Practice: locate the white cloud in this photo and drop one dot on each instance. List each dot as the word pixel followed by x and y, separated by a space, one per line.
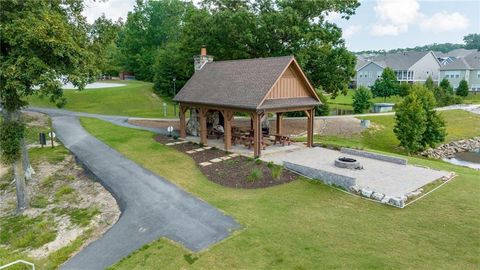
pixel 113 9
pixel 388 29
pixel 332 16
pixel 351 30
pixel 395 16
pixel 444 22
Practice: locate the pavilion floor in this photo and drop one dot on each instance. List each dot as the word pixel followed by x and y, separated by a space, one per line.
pixel 245 151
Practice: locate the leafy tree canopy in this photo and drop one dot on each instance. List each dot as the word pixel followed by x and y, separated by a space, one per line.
pixel 387 85
pixel 462 89
pixel 361 100
pixel 472 41
pixel 236 30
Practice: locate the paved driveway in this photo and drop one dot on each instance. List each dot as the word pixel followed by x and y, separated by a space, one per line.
pixel 151 206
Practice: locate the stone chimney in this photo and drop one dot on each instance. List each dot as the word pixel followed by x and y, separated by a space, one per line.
pixel 202 59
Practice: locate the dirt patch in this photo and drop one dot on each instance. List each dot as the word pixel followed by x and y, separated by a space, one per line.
pixel 61 191
pixel 235 172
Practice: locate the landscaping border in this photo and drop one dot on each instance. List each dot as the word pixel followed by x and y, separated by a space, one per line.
pixel 396 160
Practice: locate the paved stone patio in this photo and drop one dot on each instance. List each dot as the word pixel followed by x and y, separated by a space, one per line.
pixel 391 179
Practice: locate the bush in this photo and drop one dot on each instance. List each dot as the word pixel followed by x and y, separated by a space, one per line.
pixel 276 171
pixel 404 89
pixel 417 124
pixel 255 175
pixel 462 89
pixel 361 100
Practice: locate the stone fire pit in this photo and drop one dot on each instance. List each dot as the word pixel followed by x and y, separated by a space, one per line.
pixel 348 163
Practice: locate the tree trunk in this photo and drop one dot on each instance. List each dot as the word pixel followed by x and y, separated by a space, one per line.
pixel 19 175
pixel 27 168
pixel 19 167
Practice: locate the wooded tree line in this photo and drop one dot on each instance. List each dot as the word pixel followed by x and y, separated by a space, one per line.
pixel 472 41
pixel 159 38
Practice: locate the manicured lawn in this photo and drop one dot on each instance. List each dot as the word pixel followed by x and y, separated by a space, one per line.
pixel 307 225
pixel 472 99
pixel 348 99
pixel 136 99
pixel 460 125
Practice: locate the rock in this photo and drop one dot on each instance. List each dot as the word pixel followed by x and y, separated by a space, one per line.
pixel 449 149
pixel 366 193
pixel 397 201
pixel 377 196
pixel 386 199
pixel 355 189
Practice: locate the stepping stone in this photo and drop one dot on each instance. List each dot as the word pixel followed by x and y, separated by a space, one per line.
pixel 170 144
pixel 234 155
pixel 225 158
pixel 199 149
pixel 215 160
pixel 182 142
pixel 206 163
pixel 190 151
pixel 207 147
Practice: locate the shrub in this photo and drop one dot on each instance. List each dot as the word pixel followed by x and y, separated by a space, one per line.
pixel 276 171
pixel 417 124
pixel 361 100
pixel 462 89
pixel 386 85
pixel 23 231
pixel 255 175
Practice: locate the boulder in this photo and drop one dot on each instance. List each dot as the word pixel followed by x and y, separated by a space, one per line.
pixel 378 196
pixel 366 193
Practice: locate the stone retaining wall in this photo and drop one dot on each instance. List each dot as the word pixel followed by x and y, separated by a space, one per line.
pixel 381 157
pixel 328 178
pixel 448 150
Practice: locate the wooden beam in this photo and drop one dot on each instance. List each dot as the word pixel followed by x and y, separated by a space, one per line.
pixel 257 135
pixel 183 124
pixel 227 136
pixel 310 126
pixel 279 123
pixel 203 125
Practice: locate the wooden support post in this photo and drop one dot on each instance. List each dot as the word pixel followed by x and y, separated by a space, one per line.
pixel 310 122
pixel 279 122
pixel 203 126
pixel 183 124
pixel 257 135
pixel 227 136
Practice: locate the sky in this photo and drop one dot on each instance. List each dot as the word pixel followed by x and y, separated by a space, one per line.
pixel 377 24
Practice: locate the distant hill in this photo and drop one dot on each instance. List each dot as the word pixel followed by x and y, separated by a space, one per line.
pixel 441 47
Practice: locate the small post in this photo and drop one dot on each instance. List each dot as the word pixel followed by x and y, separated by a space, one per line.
pixel 42 139
pixel 51 137
pixel 175 109
pixel 164 109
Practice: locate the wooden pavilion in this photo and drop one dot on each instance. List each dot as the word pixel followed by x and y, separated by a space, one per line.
pixel 254 86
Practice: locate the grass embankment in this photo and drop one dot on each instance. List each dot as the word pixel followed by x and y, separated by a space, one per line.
pixel 136 99
pixel 460 125
pixel 307 225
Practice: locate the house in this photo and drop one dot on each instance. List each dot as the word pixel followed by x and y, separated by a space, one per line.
pixel 446 58
pixel 408 66
pixel 467 67
pixel 254 87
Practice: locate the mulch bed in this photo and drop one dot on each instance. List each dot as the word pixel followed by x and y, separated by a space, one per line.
pixel 233 172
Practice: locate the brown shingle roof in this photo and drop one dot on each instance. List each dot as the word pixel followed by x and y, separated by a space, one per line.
pixel 288 103
pixel 235 83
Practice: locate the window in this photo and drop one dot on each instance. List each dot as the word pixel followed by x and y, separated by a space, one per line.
pixel 478 74
pixel 370 74
pixel 457 75
pixel 360 74
pixel 379 74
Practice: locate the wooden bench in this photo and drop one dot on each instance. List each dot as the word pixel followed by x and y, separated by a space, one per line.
pixel 282 139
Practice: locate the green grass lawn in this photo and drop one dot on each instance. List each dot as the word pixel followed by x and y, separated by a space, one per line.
pixel 136 99
pixel 348 99
pixel 460 125
pixel 472 99
pixel 308 225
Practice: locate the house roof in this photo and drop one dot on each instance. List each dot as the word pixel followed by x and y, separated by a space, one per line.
pixel 399 61
pixel 241 84
pixel 471 61
pixel 459 52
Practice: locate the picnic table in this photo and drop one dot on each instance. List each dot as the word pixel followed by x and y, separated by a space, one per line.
pixel 282 139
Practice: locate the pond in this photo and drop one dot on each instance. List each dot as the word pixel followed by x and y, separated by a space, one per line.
pixel 468 159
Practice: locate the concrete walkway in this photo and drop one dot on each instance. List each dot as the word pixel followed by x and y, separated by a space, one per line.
pixel 151 206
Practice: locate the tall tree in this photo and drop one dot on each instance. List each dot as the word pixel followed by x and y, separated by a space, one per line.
pixel 41 42
pixel 472 41
pixel 429 84
pixel 462 89
pixel 103 34
pixel 249 29
pixel 361 100
pixel 387 85
pixel 417 124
